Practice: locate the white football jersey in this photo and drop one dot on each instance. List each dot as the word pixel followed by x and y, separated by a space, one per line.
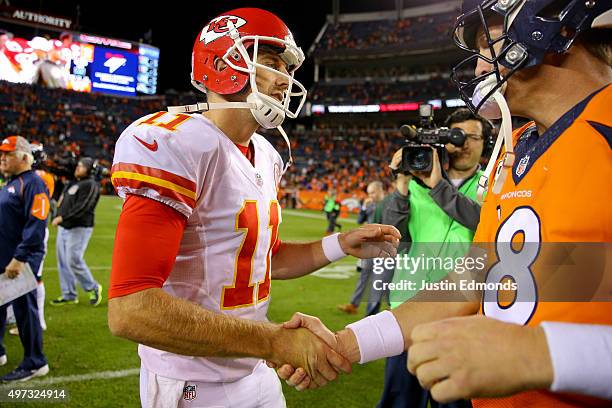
pixel 232 214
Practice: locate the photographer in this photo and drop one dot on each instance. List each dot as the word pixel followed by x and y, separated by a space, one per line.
pixel 455 191
pixel 75 225
pixel 440 210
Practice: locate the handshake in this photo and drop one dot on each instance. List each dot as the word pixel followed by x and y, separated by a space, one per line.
pixel 307 355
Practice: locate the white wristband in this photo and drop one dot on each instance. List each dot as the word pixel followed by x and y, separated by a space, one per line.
pixel 378 336
pixel 581 356
pixel 331 248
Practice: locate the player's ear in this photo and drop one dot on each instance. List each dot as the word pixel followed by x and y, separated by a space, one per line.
pixel 220 65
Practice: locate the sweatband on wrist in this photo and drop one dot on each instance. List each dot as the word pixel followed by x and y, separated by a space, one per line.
pixel 331 248
pixel 378 336
pixel 581 356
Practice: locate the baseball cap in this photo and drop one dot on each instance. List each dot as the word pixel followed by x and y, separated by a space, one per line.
pixel 15 143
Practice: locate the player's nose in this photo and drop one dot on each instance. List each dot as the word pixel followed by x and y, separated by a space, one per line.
pixel 482 67
pixel 282 82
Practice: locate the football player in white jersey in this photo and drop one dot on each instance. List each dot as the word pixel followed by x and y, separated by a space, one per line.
pixel 197 241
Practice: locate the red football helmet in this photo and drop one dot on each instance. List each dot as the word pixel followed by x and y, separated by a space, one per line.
pixel 228 37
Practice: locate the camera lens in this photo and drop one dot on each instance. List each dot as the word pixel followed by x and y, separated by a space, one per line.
pixel 420 158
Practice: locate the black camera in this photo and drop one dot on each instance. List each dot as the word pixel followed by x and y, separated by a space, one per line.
pixel 417 152
pixel 98 171
pixel 65 165
pixel 39 155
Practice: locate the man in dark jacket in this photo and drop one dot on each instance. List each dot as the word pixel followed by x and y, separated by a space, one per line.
pixel 24 207
pixel 75 223
pixel 376 194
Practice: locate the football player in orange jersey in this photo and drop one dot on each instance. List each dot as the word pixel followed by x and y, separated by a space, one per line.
pixel 550 61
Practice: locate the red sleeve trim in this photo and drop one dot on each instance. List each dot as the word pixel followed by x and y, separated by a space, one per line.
pixel 157 173
pixel 163 191
pixel 146 244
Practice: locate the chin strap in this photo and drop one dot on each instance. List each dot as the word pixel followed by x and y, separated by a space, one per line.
pixel 290 161
pixel 205 106
pixel 504 165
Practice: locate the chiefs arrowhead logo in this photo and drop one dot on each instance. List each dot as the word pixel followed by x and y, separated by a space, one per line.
pixel 218 27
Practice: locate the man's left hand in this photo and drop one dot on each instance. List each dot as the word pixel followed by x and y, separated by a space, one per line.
pixel 14 268
pixel 57 221
pixel 371 241
pixel 477 356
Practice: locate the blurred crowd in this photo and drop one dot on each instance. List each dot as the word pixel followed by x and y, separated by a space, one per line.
pixel 396 71
pixel 69 123
pixel 72 124
pixel 412 32
pixel 364 93
pixel 342 159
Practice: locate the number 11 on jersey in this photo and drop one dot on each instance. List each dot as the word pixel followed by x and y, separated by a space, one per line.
pixel 241 292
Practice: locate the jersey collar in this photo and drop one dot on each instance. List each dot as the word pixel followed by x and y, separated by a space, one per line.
pixel 531 147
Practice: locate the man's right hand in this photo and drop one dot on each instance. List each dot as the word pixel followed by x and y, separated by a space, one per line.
pixel 317 362
pixel 402 179
pixel 57 221
pixel 14 268
pixel 296 376
pixel 396 160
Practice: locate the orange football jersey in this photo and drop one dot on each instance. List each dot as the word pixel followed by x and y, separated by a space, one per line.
pixel 558 192
pixel 48 179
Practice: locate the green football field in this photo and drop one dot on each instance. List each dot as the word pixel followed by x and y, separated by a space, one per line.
pixel 99 370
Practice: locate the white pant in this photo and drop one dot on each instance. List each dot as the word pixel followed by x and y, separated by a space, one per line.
pixel 260 389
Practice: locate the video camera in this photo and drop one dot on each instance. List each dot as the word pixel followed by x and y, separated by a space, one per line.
pixel 417 151
pixel 98 171
pixel 65 165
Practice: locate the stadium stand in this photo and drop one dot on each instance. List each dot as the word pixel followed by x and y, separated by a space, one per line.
pixel 385 57
pixel 341 155
pixel 411 33
pixel 343 158
pixel 365 92
pixel 88 124
pixel 70 122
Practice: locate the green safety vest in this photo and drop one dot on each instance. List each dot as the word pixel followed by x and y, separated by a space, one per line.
pixel 330 204
pixel 434 235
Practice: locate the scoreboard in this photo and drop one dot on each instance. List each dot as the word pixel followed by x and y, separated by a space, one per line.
pixel 81 62
pixel 148 63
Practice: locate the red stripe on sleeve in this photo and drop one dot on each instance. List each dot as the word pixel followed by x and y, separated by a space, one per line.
pixel 153 172
pixel 146 244
pixel 163 191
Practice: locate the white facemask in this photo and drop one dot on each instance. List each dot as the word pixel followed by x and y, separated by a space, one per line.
pixel 489 109
pixel 495 107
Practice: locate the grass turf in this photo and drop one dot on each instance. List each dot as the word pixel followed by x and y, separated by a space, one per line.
pixel 79 345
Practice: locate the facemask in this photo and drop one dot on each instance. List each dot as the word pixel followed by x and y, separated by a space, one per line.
pixel 489 109
pixel 495 107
